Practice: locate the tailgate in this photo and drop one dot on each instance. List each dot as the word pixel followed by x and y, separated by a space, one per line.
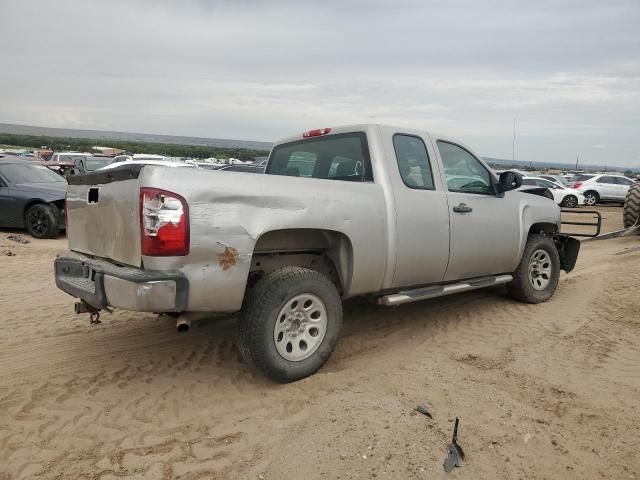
pixel 103 214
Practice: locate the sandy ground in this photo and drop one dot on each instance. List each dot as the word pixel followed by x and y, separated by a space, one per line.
pixel 545 391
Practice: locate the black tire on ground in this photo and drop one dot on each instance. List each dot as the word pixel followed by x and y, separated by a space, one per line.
pixel 265 303
pixel 591 193
pixel 529 285
pixel 631 211
pixel 41 222
pixel 570 201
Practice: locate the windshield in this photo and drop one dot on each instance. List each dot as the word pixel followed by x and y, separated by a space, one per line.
pixel 29 173
pixel 96 163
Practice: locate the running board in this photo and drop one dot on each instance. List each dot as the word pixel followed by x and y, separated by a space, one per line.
pixel 425 293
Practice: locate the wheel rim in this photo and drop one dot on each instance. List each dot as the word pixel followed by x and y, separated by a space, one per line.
pixel 590 199
pixel 540 270
pixel 572 202
pixel 300 327
pixel 37 221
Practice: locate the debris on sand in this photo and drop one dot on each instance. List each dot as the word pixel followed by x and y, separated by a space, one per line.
pixel 9 253
pixel 423 409
pixel 455 454
pixel 18 239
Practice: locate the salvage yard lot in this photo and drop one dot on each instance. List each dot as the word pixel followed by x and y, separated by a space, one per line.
pixel 542 391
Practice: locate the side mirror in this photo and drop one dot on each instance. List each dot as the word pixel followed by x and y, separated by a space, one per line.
pixel 509 181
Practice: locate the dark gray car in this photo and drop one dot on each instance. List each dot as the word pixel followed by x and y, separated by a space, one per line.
pixel 31 197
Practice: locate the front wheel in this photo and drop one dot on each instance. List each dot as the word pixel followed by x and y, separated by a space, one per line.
pixel 536 278
pixel 289 323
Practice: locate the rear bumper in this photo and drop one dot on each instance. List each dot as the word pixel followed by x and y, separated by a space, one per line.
pixel 103 284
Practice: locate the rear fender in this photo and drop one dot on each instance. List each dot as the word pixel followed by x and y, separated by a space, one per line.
pixel 568 249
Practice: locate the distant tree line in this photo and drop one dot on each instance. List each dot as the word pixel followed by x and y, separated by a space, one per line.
pixel 171 150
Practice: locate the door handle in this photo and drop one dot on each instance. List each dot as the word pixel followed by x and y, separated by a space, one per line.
pixel 462 208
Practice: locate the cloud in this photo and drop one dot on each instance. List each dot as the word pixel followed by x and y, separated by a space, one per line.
pixel 265 69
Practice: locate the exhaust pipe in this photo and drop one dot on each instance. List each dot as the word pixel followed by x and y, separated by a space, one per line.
pixel 183 324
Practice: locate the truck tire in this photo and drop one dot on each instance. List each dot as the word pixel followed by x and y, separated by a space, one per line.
pixel 591 198
pixel 289 323
pixel 538 273
pixel 41 221
pixel 631 211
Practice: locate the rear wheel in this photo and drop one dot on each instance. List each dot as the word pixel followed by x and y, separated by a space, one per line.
pixel 591 198
pixel 41 222
pixel 570 201
pixel 631 212
pixel 289 323
pixel 536 278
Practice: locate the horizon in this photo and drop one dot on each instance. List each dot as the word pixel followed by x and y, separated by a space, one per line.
pixel 255 145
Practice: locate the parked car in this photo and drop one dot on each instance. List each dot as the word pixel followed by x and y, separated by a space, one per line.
pixel 565 197
pixel 239 167
pixel 602 188
pixel 139 157
pixel 68 156
pixel 362 210
pixel 160 163
pixel 77 165
pixel 31 197
pixel 556 179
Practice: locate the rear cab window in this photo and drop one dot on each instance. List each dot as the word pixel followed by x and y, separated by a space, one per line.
pixel 342 156
pixel 413 161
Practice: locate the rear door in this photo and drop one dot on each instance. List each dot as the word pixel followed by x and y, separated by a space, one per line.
pixel 421 211
pixel 607 187
pixel 484 228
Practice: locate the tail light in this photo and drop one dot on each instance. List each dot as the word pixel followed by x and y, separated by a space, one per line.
pixel 577 184
pixel 164 223
pixel 316 133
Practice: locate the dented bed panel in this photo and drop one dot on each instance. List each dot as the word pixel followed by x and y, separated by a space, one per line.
pixel 230 211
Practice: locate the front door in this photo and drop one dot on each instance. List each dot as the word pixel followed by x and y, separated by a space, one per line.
pixel 9 212
pixel 484 227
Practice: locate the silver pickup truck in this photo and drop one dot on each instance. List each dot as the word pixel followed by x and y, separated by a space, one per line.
pixel 394 214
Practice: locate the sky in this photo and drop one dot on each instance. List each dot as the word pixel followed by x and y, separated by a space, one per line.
pixel 567 71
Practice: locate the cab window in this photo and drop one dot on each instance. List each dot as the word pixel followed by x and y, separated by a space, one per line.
pixel 413 162
pixel 336 157
pixel 463 171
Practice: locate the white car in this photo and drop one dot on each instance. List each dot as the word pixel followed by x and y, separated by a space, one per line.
pixel 598 188
pixel 163 163
pixel 565 197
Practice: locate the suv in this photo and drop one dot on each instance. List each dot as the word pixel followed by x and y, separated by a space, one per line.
pixel 602 188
